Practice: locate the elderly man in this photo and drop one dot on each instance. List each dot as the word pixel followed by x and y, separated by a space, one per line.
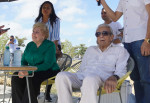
pixel 102 65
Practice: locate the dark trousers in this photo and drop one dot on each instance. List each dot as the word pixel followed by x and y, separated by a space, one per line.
pixel 141 72
pixel 19 87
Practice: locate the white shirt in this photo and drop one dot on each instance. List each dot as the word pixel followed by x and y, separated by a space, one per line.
pixel 115 26
pixel 135 19
pixel 54 32
pixel 12 47
pixel 110 62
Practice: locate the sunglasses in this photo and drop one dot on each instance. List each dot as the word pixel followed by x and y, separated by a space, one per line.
pixel 104 33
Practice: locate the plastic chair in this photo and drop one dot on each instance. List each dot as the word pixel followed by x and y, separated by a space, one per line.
pixel 130 67
pixel 64 62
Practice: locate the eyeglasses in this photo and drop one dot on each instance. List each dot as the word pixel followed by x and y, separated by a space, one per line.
pixel 104 33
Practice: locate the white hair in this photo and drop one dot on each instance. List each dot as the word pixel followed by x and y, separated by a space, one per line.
pixel 105 25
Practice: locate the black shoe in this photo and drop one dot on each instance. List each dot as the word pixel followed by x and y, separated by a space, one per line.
pixel 48 99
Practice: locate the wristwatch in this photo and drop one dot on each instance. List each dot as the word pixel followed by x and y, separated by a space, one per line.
pixel 117 77
pixel 147 40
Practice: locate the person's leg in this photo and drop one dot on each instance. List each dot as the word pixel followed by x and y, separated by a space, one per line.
pixel 18 87
pixel 141 73
pixel 65 81
pixel 34 84
pixel 48 97
pixel 89 88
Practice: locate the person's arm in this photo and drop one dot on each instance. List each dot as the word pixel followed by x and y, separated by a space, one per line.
pixel 56 33
pixel 84 60
pixel 113 15
pixel 145 48
pixel 111 82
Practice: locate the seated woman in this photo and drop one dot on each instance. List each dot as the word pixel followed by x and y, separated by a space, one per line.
pixel 40 53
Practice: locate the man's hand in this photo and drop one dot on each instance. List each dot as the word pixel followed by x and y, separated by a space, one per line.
pixel 110 84
pixel 145 49
pixel 1 30
pixel 22 74
pixel 11 42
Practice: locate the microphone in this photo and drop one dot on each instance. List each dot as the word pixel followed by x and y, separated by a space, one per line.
pixel 99 3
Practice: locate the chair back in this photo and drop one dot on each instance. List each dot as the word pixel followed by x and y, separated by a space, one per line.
pixel 74 68
pixel 130 67
pixel 64 62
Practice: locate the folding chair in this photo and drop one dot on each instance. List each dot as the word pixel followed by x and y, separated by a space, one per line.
pixel 64 62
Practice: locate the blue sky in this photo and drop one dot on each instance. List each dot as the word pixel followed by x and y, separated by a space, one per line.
pixel 79 18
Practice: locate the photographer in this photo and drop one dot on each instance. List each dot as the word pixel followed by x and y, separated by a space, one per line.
pixel 12 43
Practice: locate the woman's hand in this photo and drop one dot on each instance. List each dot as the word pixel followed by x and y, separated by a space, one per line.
pixel 22 74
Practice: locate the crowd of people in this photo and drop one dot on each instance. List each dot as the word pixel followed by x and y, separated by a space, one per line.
pixel 102 65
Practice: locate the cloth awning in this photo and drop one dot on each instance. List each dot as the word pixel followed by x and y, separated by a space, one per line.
pixel 7 0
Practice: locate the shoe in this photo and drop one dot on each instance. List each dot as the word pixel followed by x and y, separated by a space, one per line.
pixel 48 98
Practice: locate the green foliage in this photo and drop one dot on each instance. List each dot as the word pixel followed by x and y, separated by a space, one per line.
pixel 67 48
pixel 3 40
pixel 80 50
pixel 77 51
pixel 20 41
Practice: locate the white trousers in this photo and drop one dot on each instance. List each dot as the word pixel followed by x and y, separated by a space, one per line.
pixel 66 81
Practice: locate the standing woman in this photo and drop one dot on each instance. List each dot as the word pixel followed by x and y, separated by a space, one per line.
pixel 47 15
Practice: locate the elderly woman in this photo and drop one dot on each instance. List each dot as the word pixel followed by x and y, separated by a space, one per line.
pixel 40 53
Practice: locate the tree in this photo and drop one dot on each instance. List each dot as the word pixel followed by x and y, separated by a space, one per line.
pixel 21 41
pixel 3 40
pixel 80 50
pixel 67 48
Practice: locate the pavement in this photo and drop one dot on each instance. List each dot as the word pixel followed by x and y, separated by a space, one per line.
pixel 40 100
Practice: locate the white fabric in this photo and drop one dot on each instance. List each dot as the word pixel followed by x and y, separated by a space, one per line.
pixel 95 68
pixel 115 26
pixel 12 47
pixel 65 82
pixel 135 19
pixel 104 64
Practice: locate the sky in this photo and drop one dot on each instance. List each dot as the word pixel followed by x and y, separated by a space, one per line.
pixel 79 18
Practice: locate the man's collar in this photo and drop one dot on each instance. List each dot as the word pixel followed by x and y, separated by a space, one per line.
pixel 111 45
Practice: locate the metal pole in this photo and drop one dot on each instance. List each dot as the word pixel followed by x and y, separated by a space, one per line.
pixel 28 89
pixel 4 87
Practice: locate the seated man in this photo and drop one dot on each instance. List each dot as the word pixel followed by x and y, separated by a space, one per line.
pixel 102 65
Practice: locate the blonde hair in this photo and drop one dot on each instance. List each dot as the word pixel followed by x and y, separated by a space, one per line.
pixel 43 28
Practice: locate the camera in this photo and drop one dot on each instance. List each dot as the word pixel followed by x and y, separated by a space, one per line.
pixel 11 39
